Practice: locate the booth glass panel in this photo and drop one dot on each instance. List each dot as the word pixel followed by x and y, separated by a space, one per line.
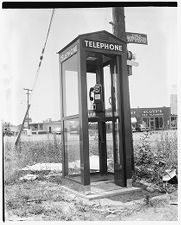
pixel 112 142
pixel 93 147
pixel 109 144
pixel 117 154
pixel 91 81
pixel 72 148
pixel 107 90
pixel 115 91
pixel 70 86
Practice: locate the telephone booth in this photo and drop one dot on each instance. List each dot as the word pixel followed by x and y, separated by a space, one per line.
pixel 95 111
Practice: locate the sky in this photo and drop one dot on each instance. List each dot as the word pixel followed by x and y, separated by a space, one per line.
pixel 24 33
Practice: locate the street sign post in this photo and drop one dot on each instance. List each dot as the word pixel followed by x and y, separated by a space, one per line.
pixel 136 38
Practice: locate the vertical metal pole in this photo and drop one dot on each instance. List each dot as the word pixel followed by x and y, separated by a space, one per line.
pixel 83 115
pixel 102 127
pixel 28 93
pixel 28 110
pixel 62 110
pixel 119 31
pixel 22 125
pixel 119 22
pixel 3 188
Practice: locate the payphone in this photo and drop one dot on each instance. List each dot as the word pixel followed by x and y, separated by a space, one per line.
pixel 98 104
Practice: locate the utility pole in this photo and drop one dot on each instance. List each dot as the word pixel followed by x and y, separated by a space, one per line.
pixel 119 31
pixel 28 94
pixel 119 23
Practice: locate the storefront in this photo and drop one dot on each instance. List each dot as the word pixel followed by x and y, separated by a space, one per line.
pixel 153 118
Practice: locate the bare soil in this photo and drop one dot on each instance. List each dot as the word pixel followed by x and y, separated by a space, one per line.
pixel 45 199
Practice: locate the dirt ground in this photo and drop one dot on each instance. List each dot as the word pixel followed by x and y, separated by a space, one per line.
pixel 46 200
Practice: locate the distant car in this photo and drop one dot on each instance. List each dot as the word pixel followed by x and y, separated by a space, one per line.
pixel 142 128
pixel 57 131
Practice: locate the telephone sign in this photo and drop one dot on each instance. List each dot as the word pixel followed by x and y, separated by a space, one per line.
pixel 103 45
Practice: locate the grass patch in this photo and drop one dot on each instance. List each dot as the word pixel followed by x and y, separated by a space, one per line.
pixel 151 160
pixel 28 153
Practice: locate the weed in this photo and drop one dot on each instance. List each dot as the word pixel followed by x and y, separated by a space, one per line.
pixel 29 153
pixel 143 153
pixel 167 149
pixel 151 161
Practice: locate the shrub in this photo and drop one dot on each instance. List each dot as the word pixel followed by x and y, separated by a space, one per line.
pixel 167 149
pixel 152 160
pixel 143 153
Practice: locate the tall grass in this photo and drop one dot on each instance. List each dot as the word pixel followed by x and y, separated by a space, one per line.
pixel 10 162
pixel 150 160
pixel 32 152
pixel 29 153
pixel 167 149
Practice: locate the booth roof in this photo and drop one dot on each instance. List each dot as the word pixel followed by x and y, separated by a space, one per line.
pixel 87 34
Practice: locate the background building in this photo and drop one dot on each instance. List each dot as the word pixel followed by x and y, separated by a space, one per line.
pixel 47 126
pixel 155 118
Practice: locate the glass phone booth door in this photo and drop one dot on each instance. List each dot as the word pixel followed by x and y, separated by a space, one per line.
pixel 103 117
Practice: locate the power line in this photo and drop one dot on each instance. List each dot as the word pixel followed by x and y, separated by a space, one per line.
pixel 43 50
pixel 36 77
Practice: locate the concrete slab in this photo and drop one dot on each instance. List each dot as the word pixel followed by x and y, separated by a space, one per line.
pixel 101 189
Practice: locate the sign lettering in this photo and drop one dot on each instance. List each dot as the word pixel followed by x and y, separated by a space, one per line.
pixel 68 54
pixel 103 45
pixel 136 38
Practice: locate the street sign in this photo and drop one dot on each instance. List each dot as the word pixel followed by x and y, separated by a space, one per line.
pixel 136 38
pixel 132 63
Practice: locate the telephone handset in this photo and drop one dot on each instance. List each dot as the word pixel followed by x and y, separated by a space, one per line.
pixel 90 94
pixel 98 104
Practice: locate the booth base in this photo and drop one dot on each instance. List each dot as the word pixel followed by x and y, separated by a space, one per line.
pixel 98 189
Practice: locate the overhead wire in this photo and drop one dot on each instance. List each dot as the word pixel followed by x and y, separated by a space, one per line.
pixel 36 76
pixel 42 53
